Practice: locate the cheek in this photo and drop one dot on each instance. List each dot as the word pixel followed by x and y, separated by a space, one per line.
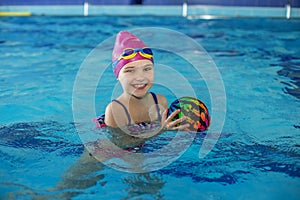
pixel 150 76
pixel 124 81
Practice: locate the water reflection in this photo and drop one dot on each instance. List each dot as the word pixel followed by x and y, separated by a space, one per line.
pixel 139 185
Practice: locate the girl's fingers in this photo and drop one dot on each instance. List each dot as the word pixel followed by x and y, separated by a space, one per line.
pixel 182 127
pixel 177 121
pixel 164 115
pixel 166 121
pixel 173 115
pixel 176 124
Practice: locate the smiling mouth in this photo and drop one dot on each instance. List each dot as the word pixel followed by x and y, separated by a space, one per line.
pixel 139 86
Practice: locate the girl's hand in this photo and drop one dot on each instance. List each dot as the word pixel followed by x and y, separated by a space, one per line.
pixel 169 124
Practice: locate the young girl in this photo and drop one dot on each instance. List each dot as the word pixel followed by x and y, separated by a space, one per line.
pixel 137 112
pixel 133 117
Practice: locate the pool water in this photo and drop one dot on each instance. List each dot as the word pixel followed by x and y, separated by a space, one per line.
pixel 256 156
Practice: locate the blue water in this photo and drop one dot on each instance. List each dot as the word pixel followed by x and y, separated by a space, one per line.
pixel 256 156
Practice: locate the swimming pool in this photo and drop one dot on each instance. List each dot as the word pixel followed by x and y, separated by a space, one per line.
pixel 256 156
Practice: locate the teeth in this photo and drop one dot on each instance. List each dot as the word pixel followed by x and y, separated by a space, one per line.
pixel 141 85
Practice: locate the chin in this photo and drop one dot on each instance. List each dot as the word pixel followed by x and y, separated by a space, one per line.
pixel 139 94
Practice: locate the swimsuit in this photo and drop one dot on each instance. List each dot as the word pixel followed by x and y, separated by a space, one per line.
pixel 138 127
pixel 134 128
pixel 141 127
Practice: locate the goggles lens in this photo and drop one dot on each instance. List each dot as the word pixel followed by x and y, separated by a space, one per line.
pixel 130 53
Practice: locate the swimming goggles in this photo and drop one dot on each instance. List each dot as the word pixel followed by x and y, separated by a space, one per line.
pixel 131 53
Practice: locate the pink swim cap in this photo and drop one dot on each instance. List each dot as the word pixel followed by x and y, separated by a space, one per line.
pixel 126 40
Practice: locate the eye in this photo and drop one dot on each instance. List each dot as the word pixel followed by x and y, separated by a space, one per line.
pixel 130 70
pixel 148 68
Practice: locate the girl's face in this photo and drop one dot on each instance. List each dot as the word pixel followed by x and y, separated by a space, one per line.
pixel 137 77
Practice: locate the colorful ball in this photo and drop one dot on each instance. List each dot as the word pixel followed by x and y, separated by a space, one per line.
pixel 195 111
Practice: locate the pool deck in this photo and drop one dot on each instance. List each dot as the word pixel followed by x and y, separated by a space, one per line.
pixel 192 11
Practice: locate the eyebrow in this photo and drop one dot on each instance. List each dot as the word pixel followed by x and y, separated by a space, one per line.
pixel 131 66
pixel 150 65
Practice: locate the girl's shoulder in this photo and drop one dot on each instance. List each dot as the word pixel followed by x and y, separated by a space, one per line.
pixel 109 119
pixel 162 100
pixel 112 114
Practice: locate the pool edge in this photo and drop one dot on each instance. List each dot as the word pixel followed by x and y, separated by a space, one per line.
pixel 193 11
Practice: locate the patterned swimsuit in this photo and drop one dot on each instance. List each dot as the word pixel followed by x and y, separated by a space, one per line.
pixel 137 127
pixel 134 128
pixel 142 127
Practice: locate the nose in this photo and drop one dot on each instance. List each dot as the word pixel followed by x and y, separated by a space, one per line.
pixel 140 76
